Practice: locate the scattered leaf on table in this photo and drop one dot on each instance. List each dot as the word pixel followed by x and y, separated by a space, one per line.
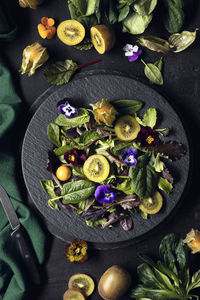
pixel 144 7
pixel 135 23
pixel 159 64
pixel 153 73
pixel 173 15
pixel 181 41
pixel 60 72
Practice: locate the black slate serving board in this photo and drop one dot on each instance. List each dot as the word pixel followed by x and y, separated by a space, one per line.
pixel 81 92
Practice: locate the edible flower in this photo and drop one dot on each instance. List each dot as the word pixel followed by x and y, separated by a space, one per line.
pixel 68 110
pixel 193 240
pixel 132 52
pixel 128 156
pixel 75 157
pixel 104 195
pixel 77 251
pixel 46 28
pixel 148 137
pixel 34 56
pixel 104 112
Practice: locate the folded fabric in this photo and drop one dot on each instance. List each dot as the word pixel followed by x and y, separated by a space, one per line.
pixel 13 282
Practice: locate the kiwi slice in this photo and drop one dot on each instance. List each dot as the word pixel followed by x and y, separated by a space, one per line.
pixel 152 205
pixel 71 32
pixel 96 168
pixel 83 282
pixel 103 38
pixel 73 294
pixel 127 128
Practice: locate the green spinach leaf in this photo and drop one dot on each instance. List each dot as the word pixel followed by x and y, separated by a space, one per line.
pixel 165 185
pixel 153 73
pixel 126 187
pixel 82 118
pixel 135 23
pixel 74 192
pixel 127 106
pixel 53 132
pixel 89 136
pixel 144 7
pixel 48 187
pixel 173 16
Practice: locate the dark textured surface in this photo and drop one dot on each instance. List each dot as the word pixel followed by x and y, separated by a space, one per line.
pixel 181 87
pixel 80 93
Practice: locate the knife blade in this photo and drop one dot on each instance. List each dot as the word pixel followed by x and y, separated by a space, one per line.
pixel 25 247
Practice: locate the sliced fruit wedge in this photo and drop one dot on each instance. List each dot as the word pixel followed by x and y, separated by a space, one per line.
pixel 152 205
pixel 73 294
pixel 127 128
pixel 71 32
pixel 83 282
pixel 96 168
pixel 103 38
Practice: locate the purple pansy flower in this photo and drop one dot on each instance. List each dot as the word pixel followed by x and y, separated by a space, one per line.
pixel 104 195
pixel 75 157
pixel 68 110
pixel 128 156
pixel 132 52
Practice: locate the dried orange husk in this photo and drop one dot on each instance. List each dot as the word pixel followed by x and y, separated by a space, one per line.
pixel 34 56
pixel 30 3
pixel 193 240
pixel 155 43
pixel 181 41
pixel 104 112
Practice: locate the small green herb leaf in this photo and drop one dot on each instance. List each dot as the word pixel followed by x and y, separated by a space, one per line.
pixel 150 117
pixel 165 185
pixel 159 64
pixel 89 136
pixel 153 73
pixel 127 106
pixel 60 72
pixel 158 164
pixel 53 132
pixel 74 192
pixel 61 150
pixel 126 187
pixel 82 118
pixel 195 281
pixel 48 187
pixel 144 177
pixel 86 44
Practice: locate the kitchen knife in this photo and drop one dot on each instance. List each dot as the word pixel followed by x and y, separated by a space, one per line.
pixel 26 249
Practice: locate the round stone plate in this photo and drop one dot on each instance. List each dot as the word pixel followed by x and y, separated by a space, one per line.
pixel 80 93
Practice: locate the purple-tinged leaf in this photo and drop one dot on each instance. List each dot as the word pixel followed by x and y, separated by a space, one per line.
pixel 167 175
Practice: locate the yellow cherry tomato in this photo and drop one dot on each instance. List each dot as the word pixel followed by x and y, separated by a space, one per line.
pixel 63 173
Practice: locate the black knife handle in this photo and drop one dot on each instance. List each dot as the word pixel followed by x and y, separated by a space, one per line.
pixel 28 254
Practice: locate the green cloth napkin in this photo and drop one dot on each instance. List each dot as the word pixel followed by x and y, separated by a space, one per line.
pixel 13 278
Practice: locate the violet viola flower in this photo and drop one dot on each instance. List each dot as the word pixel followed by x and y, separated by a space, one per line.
pixel 104 195
pixel 75 157
pixel 128 156
pixel 132 52
pixel 68 110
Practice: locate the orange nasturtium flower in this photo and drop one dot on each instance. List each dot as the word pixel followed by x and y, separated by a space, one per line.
pixel 193 240
pixel 46 28
pixel 77 251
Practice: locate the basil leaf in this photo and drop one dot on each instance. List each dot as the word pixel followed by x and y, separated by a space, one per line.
pixel 53 132
pixel 150 117
pixel 174 16
pixel 144 7
pixel 155 43
pixel 165 185
pixel 181 41
pixel 153 73
pixel 89 136
pixel 124 13
pixel 82 118
pixel 60 72
pixel 159 64
pixel 74 192
pixel 85 45
pixel 127 106
pixel 135 23
pixel 48 187
pixel 144 177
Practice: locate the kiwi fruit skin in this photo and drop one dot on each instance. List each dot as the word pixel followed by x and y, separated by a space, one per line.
pixel 71 32
pixel 86 285
pixel 73 293
pixel 155 207
pixel 103 38
pixel 114 283
pixel 101 163
pixel 120 131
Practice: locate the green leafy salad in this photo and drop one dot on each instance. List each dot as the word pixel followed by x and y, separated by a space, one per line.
pixel 109 162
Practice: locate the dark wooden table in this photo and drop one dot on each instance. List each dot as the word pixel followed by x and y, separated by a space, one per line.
pixel 181 87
